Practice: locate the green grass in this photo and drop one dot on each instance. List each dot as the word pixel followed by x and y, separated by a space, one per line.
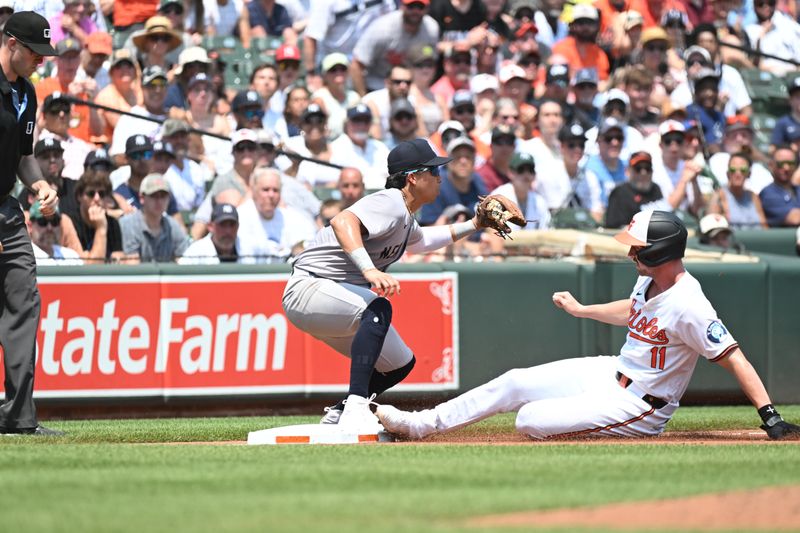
pixel 98 479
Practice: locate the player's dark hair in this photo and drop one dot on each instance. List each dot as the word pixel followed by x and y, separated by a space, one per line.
pixel 703 28
pixel 396 181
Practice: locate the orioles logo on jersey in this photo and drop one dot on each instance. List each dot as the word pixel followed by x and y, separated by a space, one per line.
pixel 640 328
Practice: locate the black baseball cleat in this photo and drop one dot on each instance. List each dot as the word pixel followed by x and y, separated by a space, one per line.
pixel 39 431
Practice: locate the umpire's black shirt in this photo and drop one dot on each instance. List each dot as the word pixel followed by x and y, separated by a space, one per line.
pixel 16 136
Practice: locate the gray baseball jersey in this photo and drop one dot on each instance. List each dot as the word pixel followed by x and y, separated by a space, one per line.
pixel 390 229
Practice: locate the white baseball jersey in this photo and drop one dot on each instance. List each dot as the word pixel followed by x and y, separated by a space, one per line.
pixel 667 334
pixel 390 229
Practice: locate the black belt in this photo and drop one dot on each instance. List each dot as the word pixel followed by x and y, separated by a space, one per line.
pixel 625 382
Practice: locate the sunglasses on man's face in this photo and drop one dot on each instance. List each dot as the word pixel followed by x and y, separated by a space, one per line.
pixel 244 147
pixel 160 38
pixel 613 138
pixel 315 121
pixel 464 110
pixel 765 3
pixel 655 48
pixel 54 221
pixel 403 116
pixel 250 114
pixel 647 169
pixel 139 156
pixel 785 164
pixel 673 139
pixel 504 141
pixel 400 82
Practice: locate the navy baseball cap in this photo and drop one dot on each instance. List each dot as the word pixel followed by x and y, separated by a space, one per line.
pixel 97 156
pixel 32 30
pixel 359 111
pixel 138 143
pixel 572 131
pixel 558 74
pixel 223 212
pixel 248 98
pixel 47 144
pixel 410 155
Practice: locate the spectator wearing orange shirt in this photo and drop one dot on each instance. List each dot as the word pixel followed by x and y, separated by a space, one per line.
pixel 579 48
pixel 131 14
pixel 84 122
pixel 123 92
pixel 653 10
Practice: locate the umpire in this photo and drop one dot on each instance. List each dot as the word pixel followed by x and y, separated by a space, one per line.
pixel 25 42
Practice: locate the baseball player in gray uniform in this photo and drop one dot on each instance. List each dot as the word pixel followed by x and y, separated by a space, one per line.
pixel 670 325
pixel 339 288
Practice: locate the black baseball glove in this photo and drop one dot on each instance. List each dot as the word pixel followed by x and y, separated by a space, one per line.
pixel 778 429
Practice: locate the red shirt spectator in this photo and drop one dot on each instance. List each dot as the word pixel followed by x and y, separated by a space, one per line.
pixel 129 12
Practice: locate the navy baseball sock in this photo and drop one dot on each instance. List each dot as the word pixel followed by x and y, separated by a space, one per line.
pixel 382 382
pixel 367 344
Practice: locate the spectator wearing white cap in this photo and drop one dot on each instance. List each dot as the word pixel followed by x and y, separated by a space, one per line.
pixel 715 231
pixel 580 46
pixel 202 115
pixel 675 176
pixel 334 97
pixel 514 84
pixel 154 91
pixel 607 167
pixel 191 61
pixel 431 108
pixel 149 234
pixel 123 93
pixel 222 244
pixel 355 148
pixel 398 86
pixel 731 85
pixel 616 104
pixel 486 89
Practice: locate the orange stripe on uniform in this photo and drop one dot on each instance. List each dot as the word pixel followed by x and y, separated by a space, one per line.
pixel 610 426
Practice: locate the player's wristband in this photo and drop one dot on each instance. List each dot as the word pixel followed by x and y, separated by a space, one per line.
pixel 361 259
pixel 769 415
pixel 460 230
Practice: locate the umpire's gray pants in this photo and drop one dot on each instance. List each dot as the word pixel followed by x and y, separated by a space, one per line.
pixel 19 317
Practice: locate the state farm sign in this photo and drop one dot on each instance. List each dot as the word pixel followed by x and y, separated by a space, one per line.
pixel 128 336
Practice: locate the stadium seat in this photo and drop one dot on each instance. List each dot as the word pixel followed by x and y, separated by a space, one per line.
pixel 573 218
pixel 763 125
pixel 223 45
pixel 767 91
pixel 265 44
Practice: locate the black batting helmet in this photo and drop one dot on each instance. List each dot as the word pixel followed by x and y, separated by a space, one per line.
pixel 662 234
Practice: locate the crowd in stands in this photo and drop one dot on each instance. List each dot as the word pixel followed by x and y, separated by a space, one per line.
pixel 583 112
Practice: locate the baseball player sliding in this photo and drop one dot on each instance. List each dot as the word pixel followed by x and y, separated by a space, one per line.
pixel 330 293
pixel 670 324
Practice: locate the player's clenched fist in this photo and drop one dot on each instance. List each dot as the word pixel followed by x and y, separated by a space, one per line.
pixel 567 302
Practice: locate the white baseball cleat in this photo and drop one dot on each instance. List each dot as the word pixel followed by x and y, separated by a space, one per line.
pixel 357 414
pixel 410 424
pixel 332 415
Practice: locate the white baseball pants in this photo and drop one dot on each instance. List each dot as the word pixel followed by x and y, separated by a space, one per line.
pixel 562 398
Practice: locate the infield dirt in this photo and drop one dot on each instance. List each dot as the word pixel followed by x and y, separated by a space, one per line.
pixel 766 509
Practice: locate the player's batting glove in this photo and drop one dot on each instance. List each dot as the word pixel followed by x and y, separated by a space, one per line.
pixel 775 426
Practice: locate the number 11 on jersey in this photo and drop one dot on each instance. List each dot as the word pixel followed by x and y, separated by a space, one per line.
pixel 658 356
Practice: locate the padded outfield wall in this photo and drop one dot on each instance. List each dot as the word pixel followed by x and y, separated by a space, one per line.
pixel 467 322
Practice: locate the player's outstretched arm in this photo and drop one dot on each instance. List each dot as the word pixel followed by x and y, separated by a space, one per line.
pixel 614 313
pixel 777 428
